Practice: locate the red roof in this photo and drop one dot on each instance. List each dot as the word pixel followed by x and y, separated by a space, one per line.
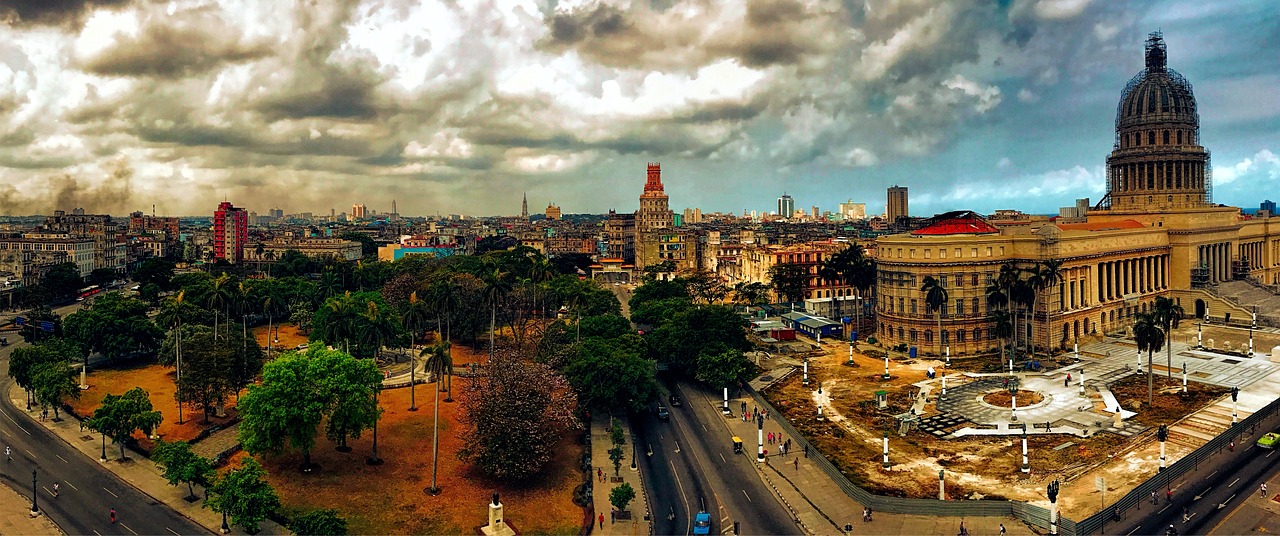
pixel 959 222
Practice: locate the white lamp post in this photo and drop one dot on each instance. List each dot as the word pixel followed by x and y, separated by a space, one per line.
pixel 886 451
pixel 1026 466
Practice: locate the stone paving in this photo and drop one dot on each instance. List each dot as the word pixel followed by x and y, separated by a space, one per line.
pixel 220 442
pixel 15 515
pixel 639 508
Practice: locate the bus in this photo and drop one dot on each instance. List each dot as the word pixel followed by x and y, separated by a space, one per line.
pixel 88 291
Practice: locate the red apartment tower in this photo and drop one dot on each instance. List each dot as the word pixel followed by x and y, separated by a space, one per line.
pixel 230 231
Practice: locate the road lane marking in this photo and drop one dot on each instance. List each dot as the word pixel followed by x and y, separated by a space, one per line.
pixel 73 486
pixel 684 496
pixel 33 455
pixel 113 494
pixel 1211 475
pixel 98 533
pixel 744 492
pixel 173 531
pixel 46 490
pixel 1166 507
pixel 126 527
pixel 1233 482
pixel 15 423
pixel 64 460
pixel 1135 529
pixel 722 458
pixel 1269 454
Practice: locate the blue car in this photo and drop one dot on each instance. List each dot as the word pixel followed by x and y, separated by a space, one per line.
pixel 702 523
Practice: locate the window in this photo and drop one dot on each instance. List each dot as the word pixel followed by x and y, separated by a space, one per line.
pixel 1001 251
pixel 960 335
pixel 976 307
pixel 1151 137
pixel 944 311
pixel 959 279
pixel 912 335
pixel 942 281
pixel 1179 137
pixel 960 307
pixel 926 253
pixel 957 253
pixel 900 309
pixel 1166 137
pixel 988 251
pixel 975 279
pixel 973 252
pixel 945 338
pixel 977 334
pixel 913 306
pixel 899 332
pixel 991 334
pixel 928 336
pixel 942 253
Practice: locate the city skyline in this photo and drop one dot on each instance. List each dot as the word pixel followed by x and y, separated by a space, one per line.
pixel 184 104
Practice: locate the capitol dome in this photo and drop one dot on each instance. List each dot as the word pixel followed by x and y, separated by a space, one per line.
pixel 1157 94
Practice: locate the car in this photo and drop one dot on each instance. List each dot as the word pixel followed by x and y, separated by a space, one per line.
pixel 302 346
pixel 661 412
pixel 1269 440
pixel 702 523
pixel 675 400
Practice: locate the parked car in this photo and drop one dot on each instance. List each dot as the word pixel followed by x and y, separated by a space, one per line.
pixel 1269 440
pixel 675 400
pixel 661 412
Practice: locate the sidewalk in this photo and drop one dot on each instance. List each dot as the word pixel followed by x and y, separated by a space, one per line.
pixel 15 517
pixel 140 472
pixel 639 507
pixel 821 506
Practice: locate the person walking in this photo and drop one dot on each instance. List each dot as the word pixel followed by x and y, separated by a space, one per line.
pixel 55 489
pixel 1002 529
pixel 8 454
pixel 806 450
pixel 1153 497
pixel 1263 490
pixel 796 462
pixel 113 516
pixel 1168 495
pixel 1066 382
pixel 601 520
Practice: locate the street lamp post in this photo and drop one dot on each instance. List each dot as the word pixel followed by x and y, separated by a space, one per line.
pixel 35 506
pixel 760 438
pixel 1235 396
pixel 1184 376
pixel 886 451
pixel 948 363
pixel 1053 506
pixel 804 380
pixel 226 529
pixel 943 396
pixel 1013 399
pixel 374 459
pixel 1162 434
pixel 103 458
pixel 1026 465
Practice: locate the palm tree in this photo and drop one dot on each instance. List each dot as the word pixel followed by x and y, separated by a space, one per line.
pixel 1022 294
pixel 378 327
pixel 436 357
pixel 342 324
pixel 1001 327
pixel 271 301
pixel 258 251
pixel 935 297
pixel 171 315
pixel 330 285
pixel 1034 284
pixel 1167 314
pixel 496 287
pixel 220 297
pixel 1005 280
pixel 540 272
pixel 415 315
pixel 444 297
pixel 862 276
pixel 1050 278
pixel 1149 336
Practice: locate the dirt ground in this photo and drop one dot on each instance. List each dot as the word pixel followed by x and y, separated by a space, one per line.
pixel 289 335
pixel 389 499
pixel 157 380
pixel 977 467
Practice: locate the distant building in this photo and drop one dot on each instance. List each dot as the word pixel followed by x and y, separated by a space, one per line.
pixel 786 206
pixel 653 220
pixel 853 211
pixel 347 250
pixel 358 211
pixel 897 204
pixel 553 212
pixel 1269 206
pixel 620 236
pixel 230 232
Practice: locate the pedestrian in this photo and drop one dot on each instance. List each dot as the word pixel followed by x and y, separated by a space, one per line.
pixel 1168 496
pixel 8 454
pixel 1002 529
pixel 806 450
pixel 612 517
pixel 1066 381
pixel 1231 446
pixel 1153 497
pixel 113 516
pixel 1264 490
pixel 797 463
pixel 601 520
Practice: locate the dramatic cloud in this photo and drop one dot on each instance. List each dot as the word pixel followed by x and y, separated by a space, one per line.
pixel 461 106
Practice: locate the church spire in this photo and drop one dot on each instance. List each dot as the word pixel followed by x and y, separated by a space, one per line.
pixel 524 207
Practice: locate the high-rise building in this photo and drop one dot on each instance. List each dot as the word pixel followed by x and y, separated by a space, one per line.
pixel 358 211
pixel 653 221
pixel 230 231
pixel 897 205
pixel 1269 206
pixel 815 212
pixel 853 211
pixel 786 206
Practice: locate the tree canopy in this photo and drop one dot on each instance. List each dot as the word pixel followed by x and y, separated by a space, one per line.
pixel 613 374
pixel 120 415
pixel 245 496
pixel 115 326
pixel 182 465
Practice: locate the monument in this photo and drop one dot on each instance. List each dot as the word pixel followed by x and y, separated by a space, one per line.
pixel 497 526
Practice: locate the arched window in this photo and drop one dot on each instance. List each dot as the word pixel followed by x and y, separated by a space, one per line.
pixel 977 334
pixel 899 332
pixel 1179 137
pixel 959 335
pixel 928 336
pixel 1151 137
pixel 912 335
pixel 1166 137
pixel 945 338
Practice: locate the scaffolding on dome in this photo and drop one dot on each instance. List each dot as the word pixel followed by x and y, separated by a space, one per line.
pixel 1156 66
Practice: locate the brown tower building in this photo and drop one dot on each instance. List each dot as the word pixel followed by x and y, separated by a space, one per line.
pixel 897 204
pixel 654 214
pixel 1157 161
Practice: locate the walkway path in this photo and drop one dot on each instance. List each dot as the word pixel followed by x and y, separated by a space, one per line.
pixel 639 508
pixel 15 515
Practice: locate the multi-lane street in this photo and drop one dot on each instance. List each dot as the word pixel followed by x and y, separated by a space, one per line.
pixel 88 492
pixel 693 467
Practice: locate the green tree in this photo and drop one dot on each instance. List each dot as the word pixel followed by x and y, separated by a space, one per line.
pixel 659 312
pixel 613 374
pixel 621 496
pixel 63 281
pixel 1050 279
pixel 514 413
pixel 182 465
pixel 155 271
pixel 102 277
pixel 24 361
pixel 245 496
pixel 438 361
pixel 605 326
pixel 616 456
pixel 679 341
pixel 114 326
pixel 652 291
pixel 1149 336
pixel 53 382
pixel 121 415
pixel 323 522
pixel 207 370
pixel 723 367
pixel 754 293
pixel 1001 328
pixel 790 281
pixel 286 408
pixel 935 298
pixel 350 386
pixel 1168 314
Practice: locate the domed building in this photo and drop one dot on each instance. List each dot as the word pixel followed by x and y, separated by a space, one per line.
pixel 1156 232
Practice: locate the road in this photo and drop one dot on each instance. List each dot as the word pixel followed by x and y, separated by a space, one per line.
pixel 88 491
pixel 704 471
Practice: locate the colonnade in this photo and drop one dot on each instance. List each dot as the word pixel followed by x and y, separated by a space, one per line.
pixel 1217 258
pixel 1117 279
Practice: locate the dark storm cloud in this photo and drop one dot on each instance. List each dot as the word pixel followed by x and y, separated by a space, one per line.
pixel 110 194
pixel 334 91
pixel 52 12
pixel 192 42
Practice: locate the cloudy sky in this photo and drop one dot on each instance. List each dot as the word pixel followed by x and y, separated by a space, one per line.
pixel 460 106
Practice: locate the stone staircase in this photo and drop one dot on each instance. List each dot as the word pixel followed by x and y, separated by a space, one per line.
pixel 1247 294
pixel 1200 427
